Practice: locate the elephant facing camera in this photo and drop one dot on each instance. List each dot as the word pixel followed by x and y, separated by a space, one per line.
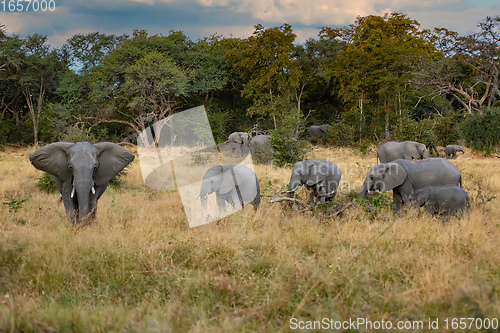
pixel 82 172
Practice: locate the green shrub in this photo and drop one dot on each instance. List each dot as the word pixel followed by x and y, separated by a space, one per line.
pixel 482 132
pixel 341 134
pixel 284 140
pixel 46 183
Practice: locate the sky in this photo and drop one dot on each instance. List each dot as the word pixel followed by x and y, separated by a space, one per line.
pixel 237 18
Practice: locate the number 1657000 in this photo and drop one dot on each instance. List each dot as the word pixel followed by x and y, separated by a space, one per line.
pixel 27 5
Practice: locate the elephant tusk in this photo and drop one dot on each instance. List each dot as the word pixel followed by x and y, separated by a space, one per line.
pixel 72 193
pixel 291 191
pixel 196 197
pixel 92 190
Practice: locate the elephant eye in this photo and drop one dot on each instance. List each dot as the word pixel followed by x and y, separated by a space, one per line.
pixel 70 166
pixel 96 166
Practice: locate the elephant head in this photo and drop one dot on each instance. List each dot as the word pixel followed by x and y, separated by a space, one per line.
pixel 419 197
pixel 415 150
pixel 383 177
pixel 81 172
pixel 218 179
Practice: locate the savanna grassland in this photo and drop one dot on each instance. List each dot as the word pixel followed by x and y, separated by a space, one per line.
pixel 140 268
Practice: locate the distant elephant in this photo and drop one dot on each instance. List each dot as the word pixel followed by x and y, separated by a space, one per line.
pixel 322 178
pixel 451 151
pixel 318 133
pixel 260 148
pixel 408 150
pixel 81 172
pixel 445 200
pixel 404 176
pixel 239 142
pixel 233 184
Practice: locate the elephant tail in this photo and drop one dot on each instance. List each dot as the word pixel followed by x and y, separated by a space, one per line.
pixel 460 181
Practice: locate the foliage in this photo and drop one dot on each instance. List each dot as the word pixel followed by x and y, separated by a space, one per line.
pixel 16 202
pixel 46 183
pixel 341 134
pixel 482 132
pixel 264 61
pixel 284 140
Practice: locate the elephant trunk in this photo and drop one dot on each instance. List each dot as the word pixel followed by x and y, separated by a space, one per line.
pixel 204 192
pixel 364 190
pixel 83 187
pixel 292 186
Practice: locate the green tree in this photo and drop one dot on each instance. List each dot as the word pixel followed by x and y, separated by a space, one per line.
pixel 266 64
pixel 376 61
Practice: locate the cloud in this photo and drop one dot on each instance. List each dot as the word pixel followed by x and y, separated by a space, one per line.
pixel 201 18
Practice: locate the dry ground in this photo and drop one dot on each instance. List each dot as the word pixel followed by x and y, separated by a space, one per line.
pixel 141 268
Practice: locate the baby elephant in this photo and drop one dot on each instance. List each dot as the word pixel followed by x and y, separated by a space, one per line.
pixel 451 151
pixel 445 200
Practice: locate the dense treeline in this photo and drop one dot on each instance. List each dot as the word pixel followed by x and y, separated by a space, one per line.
pixel 378 78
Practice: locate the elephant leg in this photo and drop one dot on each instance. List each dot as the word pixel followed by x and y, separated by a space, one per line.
pixel 221 203
pixel 396 199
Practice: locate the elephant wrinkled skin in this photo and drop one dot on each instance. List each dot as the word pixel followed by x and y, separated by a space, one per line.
pixel 404 176
pixel 232 184
pixel 260 148
pixel 444 200
pixel 451 151
pixel 318 133
pixel 81 172
pixel 239 142
pixel 322 178
pixel 408 150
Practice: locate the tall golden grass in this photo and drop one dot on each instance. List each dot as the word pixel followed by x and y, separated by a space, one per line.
pixel 139 267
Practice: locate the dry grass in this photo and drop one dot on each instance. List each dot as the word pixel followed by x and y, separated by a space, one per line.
pixel 140 268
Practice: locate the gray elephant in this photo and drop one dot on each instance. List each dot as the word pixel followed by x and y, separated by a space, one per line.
pixel 451 151
pixel 233 184
pixel 408 150
pixel 318 133
pixel 261 149
pixel 444 200
pixel 81 172
pixel 404 176
pixel 322 178
pixel 239 142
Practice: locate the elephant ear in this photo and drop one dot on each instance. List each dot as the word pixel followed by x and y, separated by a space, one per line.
pixel 112 159
pixel 230 179
pixel 239 138
pixel 53 159
pixel 393 176
pixel 410 151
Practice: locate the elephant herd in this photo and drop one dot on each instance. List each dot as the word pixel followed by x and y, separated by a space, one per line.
pixel 82 171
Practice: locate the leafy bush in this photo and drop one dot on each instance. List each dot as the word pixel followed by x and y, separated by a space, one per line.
pixel 341 134
pixel 482 132
pixel 46 183
pixel 16 202
pixel 447 129
pixel 287 148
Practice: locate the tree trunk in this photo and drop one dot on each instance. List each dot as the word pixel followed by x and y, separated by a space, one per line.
pixel 387 134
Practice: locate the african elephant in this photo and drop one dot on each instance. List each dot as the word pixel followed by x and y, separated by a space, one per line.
pixel 318 133
pixel 237 185
pixel 321 177
pixel 445 200
pixel 81 172
pixel 407 150
pixel 239 141
pixel 451 151
pixel 404 176
pixel 261 149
